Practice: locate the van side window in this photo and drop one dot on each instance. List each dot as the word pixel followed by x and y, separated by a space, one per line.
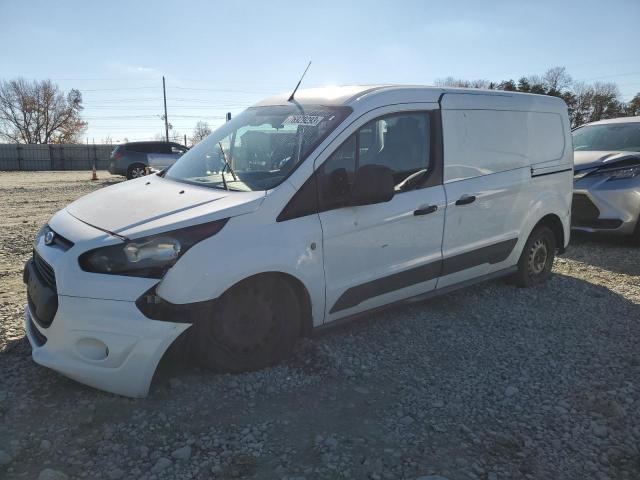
pixel 335 176
pixel 400 141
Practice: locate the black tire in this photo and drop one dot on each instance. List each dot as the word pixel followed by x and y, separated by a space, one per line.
pixel 635 236
pixel 254 324
pixel 136 170
pixel 536 260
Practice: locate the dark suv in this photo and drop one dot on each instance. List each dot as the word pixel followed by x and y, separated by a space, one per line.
pixel 132 159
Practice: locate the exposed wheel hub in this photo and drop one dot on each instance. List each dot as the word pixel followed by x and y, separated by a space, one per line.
pixel 137 172
pixel 538 257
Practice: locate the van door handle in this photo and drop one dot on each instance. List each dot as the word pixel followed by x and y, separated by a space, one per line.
pixel 425 210
pixel 466 199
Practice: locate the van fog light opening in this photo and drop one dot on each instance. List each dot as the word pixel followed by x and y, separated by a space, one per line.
pixel 92 349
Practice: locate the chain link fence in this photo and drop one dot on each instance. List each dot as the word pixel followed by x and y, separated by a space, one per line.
pixel 54 157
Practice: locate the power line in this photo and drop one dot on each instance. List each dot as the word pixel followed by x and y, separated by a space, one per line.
pixel 113 89
pixel 609 76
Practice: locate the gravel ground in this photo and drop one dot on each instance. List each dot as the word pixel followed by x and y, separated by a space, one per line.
pixel 491 382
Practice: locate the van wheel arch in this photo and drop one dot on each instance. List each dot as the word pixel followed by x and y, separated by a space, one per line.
pixel 301 293
pixel 555 224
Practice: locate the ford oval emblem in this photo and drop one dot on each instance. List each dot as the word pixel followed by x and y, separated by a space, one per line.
pixel 48 238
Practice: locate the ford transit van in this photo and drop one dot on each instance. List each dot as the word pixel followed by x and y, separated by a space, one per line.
pixel 296 213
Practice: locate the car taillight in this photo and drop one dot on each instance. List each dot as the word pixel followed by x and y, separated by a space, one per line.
pixel 117 156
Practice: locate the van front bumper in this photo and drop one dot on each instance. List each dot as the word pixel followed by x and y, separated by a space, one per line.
pixel 606 206
pixel 106 344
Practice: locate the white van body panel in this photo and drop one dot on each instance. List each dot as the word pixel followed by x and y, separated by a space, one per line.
pixel 293 248
pixel 512 152
pixel 388 232
pixel 494 145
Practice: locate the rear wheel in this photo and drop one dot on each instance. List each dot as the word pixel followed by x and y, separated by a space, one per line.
pixel 536 260
pixel 635 236
pixel 255 324
pixel 136 170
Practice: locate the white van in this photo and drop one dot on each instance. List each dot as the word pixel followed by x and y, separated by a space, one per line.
pixel 295 214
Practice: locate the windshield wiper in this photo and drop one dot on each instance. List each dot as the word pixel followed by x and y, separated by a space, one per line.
pixel 227 165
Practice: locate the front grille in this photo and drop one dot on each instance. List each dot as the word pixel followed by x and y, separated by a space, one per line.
pixel 45 270
pixel 583 210
pixel 38 337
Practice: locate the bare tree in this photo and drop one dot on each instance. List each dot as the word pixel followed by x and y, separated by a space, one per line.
pixel 200 132
pixel 459 82
pixel 556 80
pixel 633 107
pixel 581 108
pixel 606 101
pixel 39 112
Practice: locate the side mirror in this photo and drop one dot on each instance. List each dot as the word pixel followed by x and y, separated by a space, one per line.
pixel 373 184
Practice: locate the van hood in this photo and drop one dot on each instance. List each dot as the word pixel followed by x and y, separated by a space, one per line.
pixel 153 202
pixel 588 159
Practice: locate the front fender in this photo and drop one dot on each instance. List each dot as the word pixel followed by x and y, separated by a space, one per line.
pixel 246 246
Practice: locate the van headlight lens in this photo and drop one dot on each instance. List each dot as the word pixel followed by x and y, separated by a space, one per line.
pixel 620 173
pixel 148 257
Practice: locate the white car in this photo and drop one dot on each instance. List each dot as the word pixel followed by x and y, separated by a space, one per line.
pixel 295 214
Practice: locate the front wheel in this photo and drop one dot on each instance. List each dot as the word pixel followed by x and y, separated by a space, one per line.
pixel 254 324
pixel 136 170
pixel 536 260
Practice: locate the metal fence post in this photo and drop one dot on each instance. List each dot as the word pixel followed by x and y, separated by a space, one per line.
pixel 19 149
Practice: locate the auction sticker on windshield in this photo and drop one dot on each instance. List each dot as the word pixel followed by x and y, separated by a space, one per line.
pixel 311 120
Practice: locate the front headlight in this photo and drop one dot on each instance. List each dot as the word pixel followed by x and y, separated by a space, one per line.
pixel 619 173
pixel 41 233
pixel 148 257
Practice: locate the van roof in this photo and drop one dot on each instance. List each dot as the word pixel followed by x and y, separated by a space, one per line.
pixel 615 120
pixel 348 94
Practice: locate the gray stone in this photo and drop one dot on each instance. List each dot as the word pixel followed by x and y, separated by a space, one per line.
pixel 45 444
pixel 115 474
pixel 161 464
pixel 182 453
pixel 510 391
pixel 407 420
pixel 51 474
pixel 5 458
pixel 599 430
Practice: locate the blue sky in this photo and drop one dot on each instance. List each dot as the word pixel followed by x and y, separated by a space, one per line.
pixel 223 56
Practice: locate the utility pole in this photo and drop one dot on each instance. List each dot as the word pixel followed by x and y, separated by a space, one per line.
pixel 166 120
pixel 185 139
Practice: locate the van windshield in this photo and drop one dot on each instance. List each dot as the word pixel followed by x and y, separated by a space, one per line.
pixel 259 148
pixel 608 137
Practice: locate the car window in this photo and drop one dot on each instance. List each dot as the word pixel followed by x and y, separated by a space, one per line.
pixel 258 149
pixel 336 176
pixel 161 147
pixel 608 137
pixel 178 149
pixel 400 142
pixel 136 147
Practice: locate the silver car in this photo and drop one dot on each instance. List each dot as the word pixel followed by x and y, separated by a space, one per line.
pixel 606 185
pixel 133 159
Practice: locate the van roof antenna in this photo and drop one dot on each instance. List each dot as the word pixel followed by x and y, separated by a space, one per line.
pixel 299 82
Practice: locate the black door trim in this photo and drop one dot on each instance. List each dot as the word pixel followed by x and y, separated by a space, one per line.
pixel 534 175
pixel 491 254
pixel 496 253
